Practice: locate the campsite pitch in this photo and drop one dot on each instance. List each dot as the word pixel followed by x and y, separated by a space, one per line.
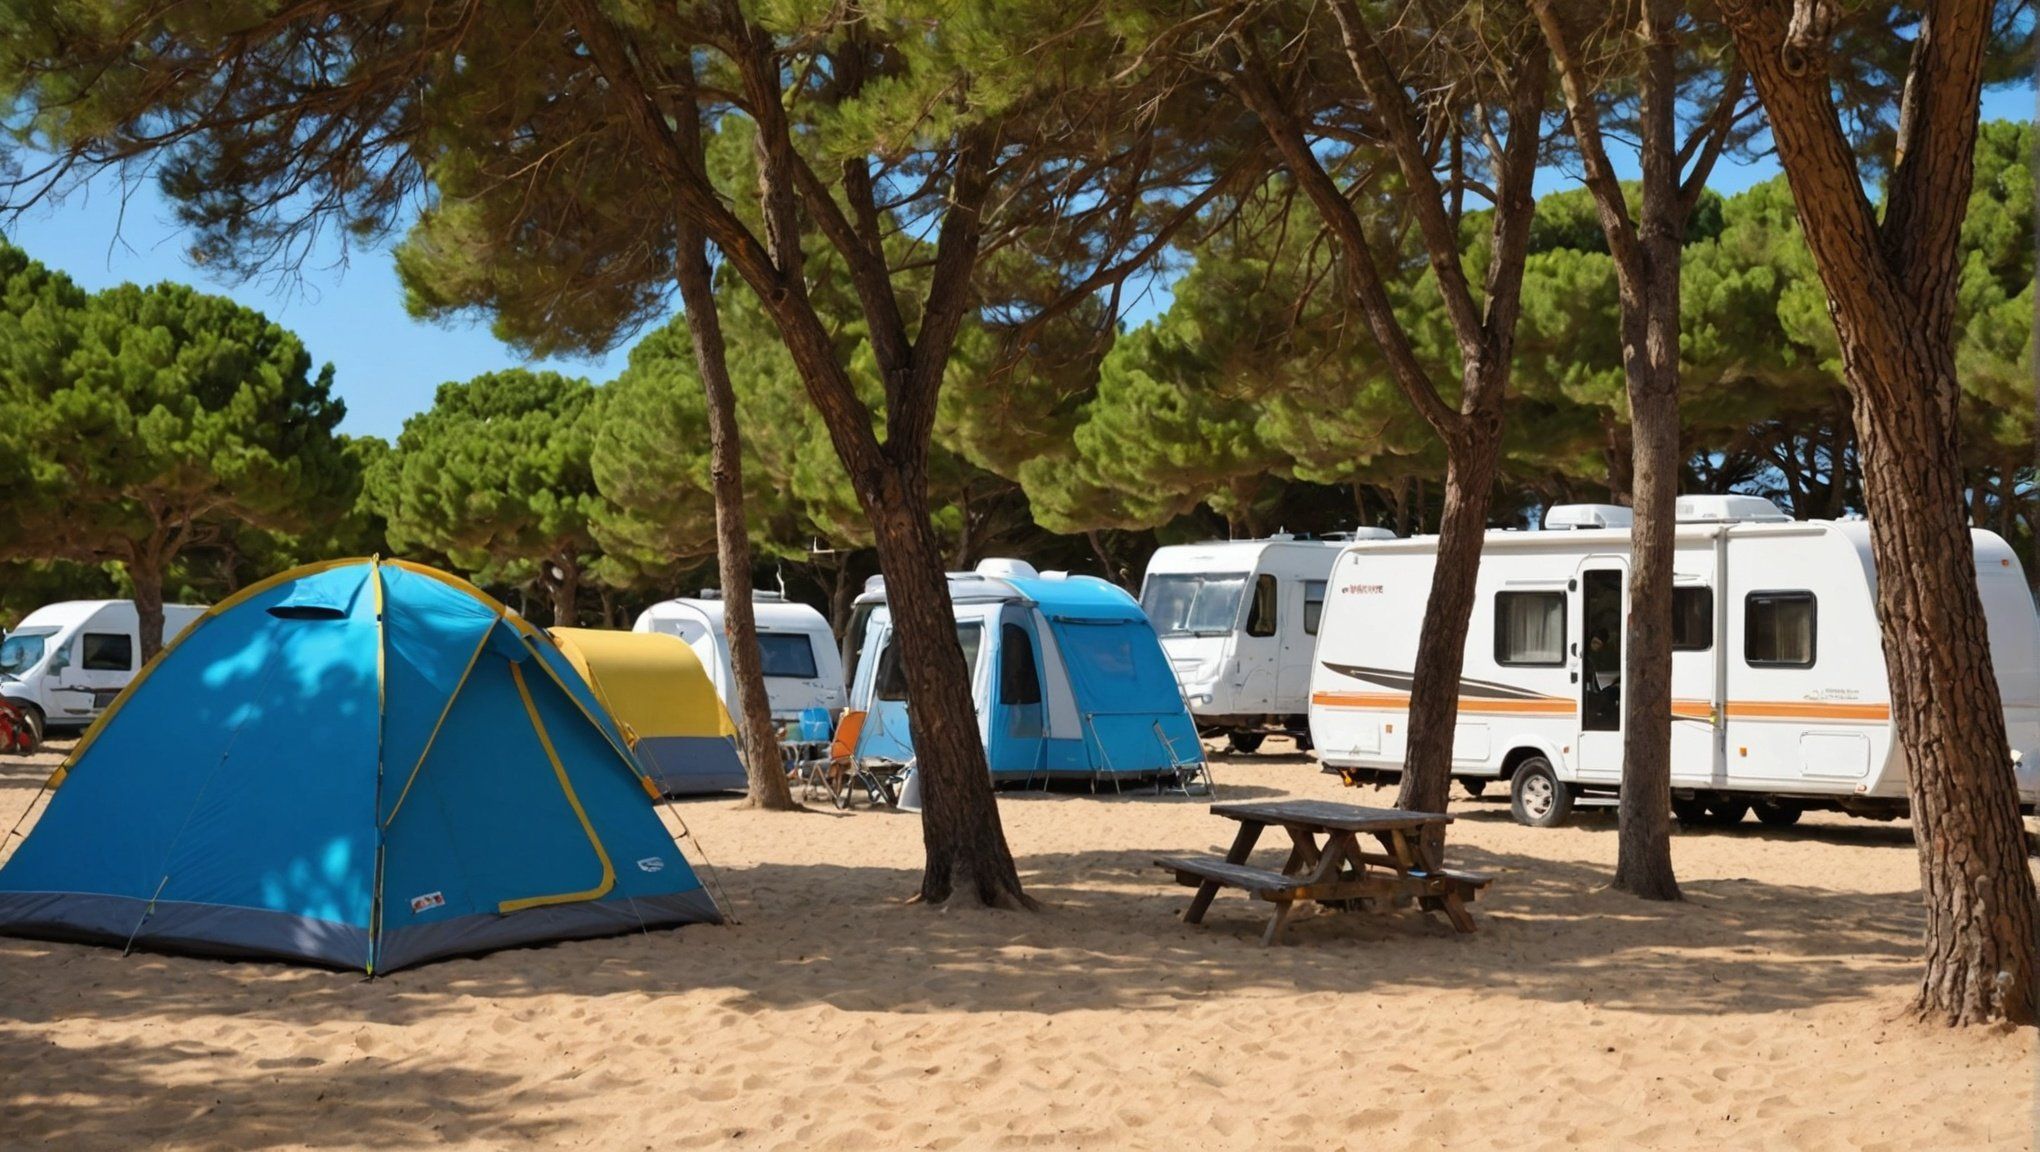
pixel 1767 1011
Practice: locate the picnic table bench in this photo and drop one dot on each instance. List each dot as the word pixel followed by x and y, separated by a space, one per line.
pixel 1338 873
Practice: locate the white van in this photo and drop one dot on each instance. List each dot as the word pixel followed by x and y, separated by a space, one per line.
pixel 67 661
pixel 1239 620
pixel 1779 693
pixel 803 669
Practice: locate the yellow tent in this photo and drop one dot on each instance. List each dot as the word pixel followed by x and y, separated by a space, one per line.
pixel 660 695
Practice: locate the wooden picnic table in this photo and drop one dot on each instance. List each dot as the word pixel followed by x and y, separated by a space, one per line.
pixel 1339 872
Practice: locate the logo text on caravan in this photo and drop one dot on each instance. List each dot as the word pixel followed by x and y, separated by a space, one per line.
pixel 1362 590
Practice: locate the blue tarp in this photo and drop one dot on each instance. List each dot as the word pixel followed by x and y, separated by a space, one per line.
pixel 303 776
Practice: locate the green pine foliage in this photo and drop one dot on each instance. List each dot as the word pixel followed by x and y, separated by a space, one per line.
pixel 497 476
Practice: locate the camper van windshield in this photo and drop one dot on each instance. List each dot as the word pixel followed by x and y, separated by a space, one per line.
pixel 20 651
pixel 1199 604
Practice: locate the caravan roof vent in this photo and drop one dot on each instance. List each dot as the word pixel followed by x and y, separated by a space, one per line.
pixel 1560 516
pixel 1728 510
pixel 1002 568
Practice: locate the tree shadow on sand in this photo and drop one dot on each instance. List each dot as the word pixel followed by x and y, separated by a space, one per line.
pixel 137 1094
pixel 1110 938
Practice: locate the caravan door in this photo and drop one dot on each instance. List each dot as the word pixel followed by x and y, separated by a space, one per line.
pixel 1257 646
pixel 1020 721
pixel 1600 586
pixel 1299 643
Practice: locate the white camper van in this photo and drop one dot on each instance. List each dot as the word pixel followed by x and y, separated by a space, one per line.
pixel 1779 697
pixel 802 666
pixel 67 661
pixel 1239 620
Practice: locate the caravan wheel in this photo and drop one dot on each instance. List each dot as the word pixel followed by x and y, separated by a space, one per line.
pixel 1778 813
pixel 1536 795
pixel 1246 743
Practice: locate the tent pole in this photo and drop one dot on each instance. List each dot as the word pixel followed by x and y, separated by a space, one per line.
pixel 147 911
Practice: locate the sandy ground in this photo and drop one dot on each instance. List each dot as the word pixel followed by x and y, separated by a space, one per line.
pixel 1765 1012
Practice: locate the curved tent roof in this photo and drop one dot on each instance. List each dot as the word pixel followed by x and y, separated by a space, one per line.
pixel 361 764
pixel 655 687
pixel 1093 647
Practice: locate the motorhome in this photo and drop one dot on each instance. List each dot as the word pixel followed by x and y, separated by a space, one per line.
pixel 1779 695
pixel 1068 677
pixel 67 661
pixel 802 666
pixel 1239 620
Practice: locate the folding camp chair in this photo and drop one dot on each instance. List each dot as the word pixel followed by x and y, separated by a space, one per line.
pixel 835 773
pixel 811 751
pixel 850 773
pixel 1191 776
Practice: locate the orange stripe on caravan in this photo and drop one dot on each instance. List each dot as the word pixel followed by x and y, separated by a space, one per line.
pixel 1549 705
pixel 1805 710
pixel 1560 706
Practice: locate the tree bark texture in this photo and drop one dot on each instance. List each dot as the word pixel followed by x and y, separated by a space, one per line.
pixel 1891 293
pixel 764 773
pixel 566 590
pixel 1441 641
pixel 960 830
pixel 145 572
pixel 1483 325
pixel 1646 253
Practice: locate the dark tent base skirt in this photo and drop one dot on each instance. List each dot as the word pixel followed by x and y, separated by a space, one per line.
pixel 258 934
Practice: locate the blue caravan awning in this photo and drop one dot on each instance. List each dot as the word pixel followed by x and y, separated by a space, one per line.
pixel 1118 665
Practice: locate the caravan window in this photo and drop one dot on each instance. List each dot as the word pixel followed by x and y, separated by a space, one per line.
pixel 1261 619
pixel 1692 619
pixel 788 654
pixel 108 652
pixel 892 677
pixel 1019 683
pixel 1313 605
pixel 1189 603
pixel 1779 629
pixel 853 640
pixel 1530 628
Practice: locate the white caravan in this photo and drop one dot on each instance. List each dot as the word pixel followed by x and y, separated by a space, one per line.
pixel 67 661
pixel 803 669
pixel 1239 620
pixel 1779 697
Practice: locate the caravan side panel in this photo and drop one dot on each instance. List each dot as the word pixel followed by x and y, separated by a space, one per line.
pixel 1374 606
pixel 1809 707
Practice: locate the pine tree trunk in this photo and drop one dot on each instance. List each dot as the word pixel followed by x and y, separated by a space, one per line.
pixel 1441 643
pixel 1619 449
pixel 1891 282
pixel 145 572
pixel 1643 860
pixel 842 597
pixel 1104 559
pixel 566 592
pixel 1945 702
pixel 966 846
pixel 764 772
pixel 1649 282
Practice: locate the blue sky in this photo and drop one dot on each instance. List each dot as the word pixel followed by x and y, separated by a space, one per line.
pixel 387 364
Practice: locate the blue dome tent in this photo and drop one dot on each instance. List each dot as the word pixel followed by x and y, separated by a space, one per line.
pixel 1069 677
pixel 361 764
